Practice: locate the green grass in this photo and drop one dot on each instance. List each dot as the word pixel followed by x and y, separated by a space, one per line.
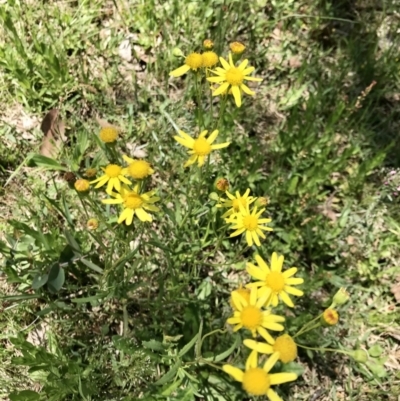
pixel 314 140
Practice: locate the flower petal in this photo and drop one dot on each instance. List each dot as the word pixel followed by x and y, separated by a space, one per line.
pixel 235 372
pixel 179 71
pixel 290 272
pixel 293 291
pixel 222 88
pixel 185 142
pixel 286 299
pixel 271 361
pixel 237 232
pixel 252 360
pixel 236 95
pixel 243 65
pixel 260 347
pixel 249 238
pixel 273 396
pixel 212 137
pixel 294 281
pixel 216 79
pixel 247 90
pixel 128 159
pixel 262 264
pixel 253 79
pixel 224 63
pixel 124 215
pixel 220 145
pixel 247 71
pixel 276 262
pixel 265 335
pixel 192 159
pixel 255 272
pixel 255 238
pixel 279 378
pixel 143 215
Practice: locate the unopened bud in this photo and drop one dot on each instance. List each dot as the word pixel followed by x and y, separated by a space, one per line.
pixel 262 201
pixel 222 184
pixel 330 317
pixel 340 298
pixel 237 47
pixel 208 44
pixel 177 52
pixel 360 356
pixel 92 224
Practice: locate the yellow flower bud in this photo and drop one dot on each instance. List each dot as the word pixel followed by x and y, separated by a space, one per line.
pixel 92 224
pixel 237 48
pixel 261 202
pixel 222 184
pixel 90 172
pixel 330 317
pixel 82 185
pixel 340 298
pixel 208 44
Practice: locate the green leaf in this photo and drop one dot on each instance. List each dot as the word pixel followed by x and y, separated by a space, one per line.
pixel 171 388
pixel 24 395
pixel 188 346
pixel 169 375
pixel 39 281
pixel 293 367
pixel 37 160
pixel 225 354
pixel 376 368
pixel 153 345
pixel 375 351
pixel 91 265
pixel 88 299
pixel 56 278
pixel 293 185
pixel 72 241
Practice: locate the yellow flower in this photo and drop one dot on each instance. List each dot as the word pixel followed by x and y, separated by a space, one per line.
pixel 201 147
pixel 284 344
pixel 108 134
pixel 82 185
pixel 234 201
pixel 209 59
pixel 138 169
pixel 208 44
pixel 134 203
pixel 192 62
pixel 250 223
pixel 237 47
pixel 248 314
pixel 258 381
pixel 231 77
pixel 330 317
pixel 114 175
pixel 273 282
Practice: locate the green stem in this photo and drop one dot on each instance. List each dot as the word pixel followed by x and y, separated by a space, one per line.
pixel 324 349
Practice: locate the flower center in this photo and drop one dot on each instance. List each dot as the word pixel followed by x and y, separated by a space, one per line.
pixel 209 59
pixel 133 201
pixel 236 202
pixel 194 61
pixel 234 76
pixel 287 348
pixel 251 317
pixel 108 134
pixel 275 281
pixel 112 170
pixel 201 147
pixel 256 381
pixel 139 169
pixel 250 223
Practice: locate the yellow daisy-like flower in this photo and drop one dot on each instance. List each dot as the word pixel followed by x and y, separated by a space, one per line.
pixel 248 314
pixel 258 381
pixel 209 59
pixel 134 203
pixel 234 201
pixel 138 169
pixel 108 134
pixel 192 62
pixel 201 147
pixel 250 223
pixel 284 344
pixel 113 176
pixel 273 282
pixel 231 77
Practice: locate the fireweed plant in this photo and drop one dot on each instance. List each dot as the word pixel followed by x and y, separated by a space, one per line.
pixel 118 194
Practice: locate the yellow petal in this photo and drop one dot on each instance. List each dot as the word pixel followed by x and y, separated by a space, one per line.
pixel 294 280
pixel 253 79
pixel 247 90
pixel 223 88
pixel 236 373
pixel 128 159
pixel 220 145
pixel 249 238
pixel 237 232
pixel 279 378
pixel 272 396
pixel 143 215
pixel 276 262
pixel 290 272
pixel 184 141
pixel 180 71
pixel 212 137
pixel 255 272
pixel 293 291
pixel 271 361
pixel 236 95
pixel 243 65
pixel 265 335
pixel 255 238
pixel 286 299
pixel 216 79
pixel 247 71
pixel 124 215
pixel 252 360
pixel 262 348
pixel 224 63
